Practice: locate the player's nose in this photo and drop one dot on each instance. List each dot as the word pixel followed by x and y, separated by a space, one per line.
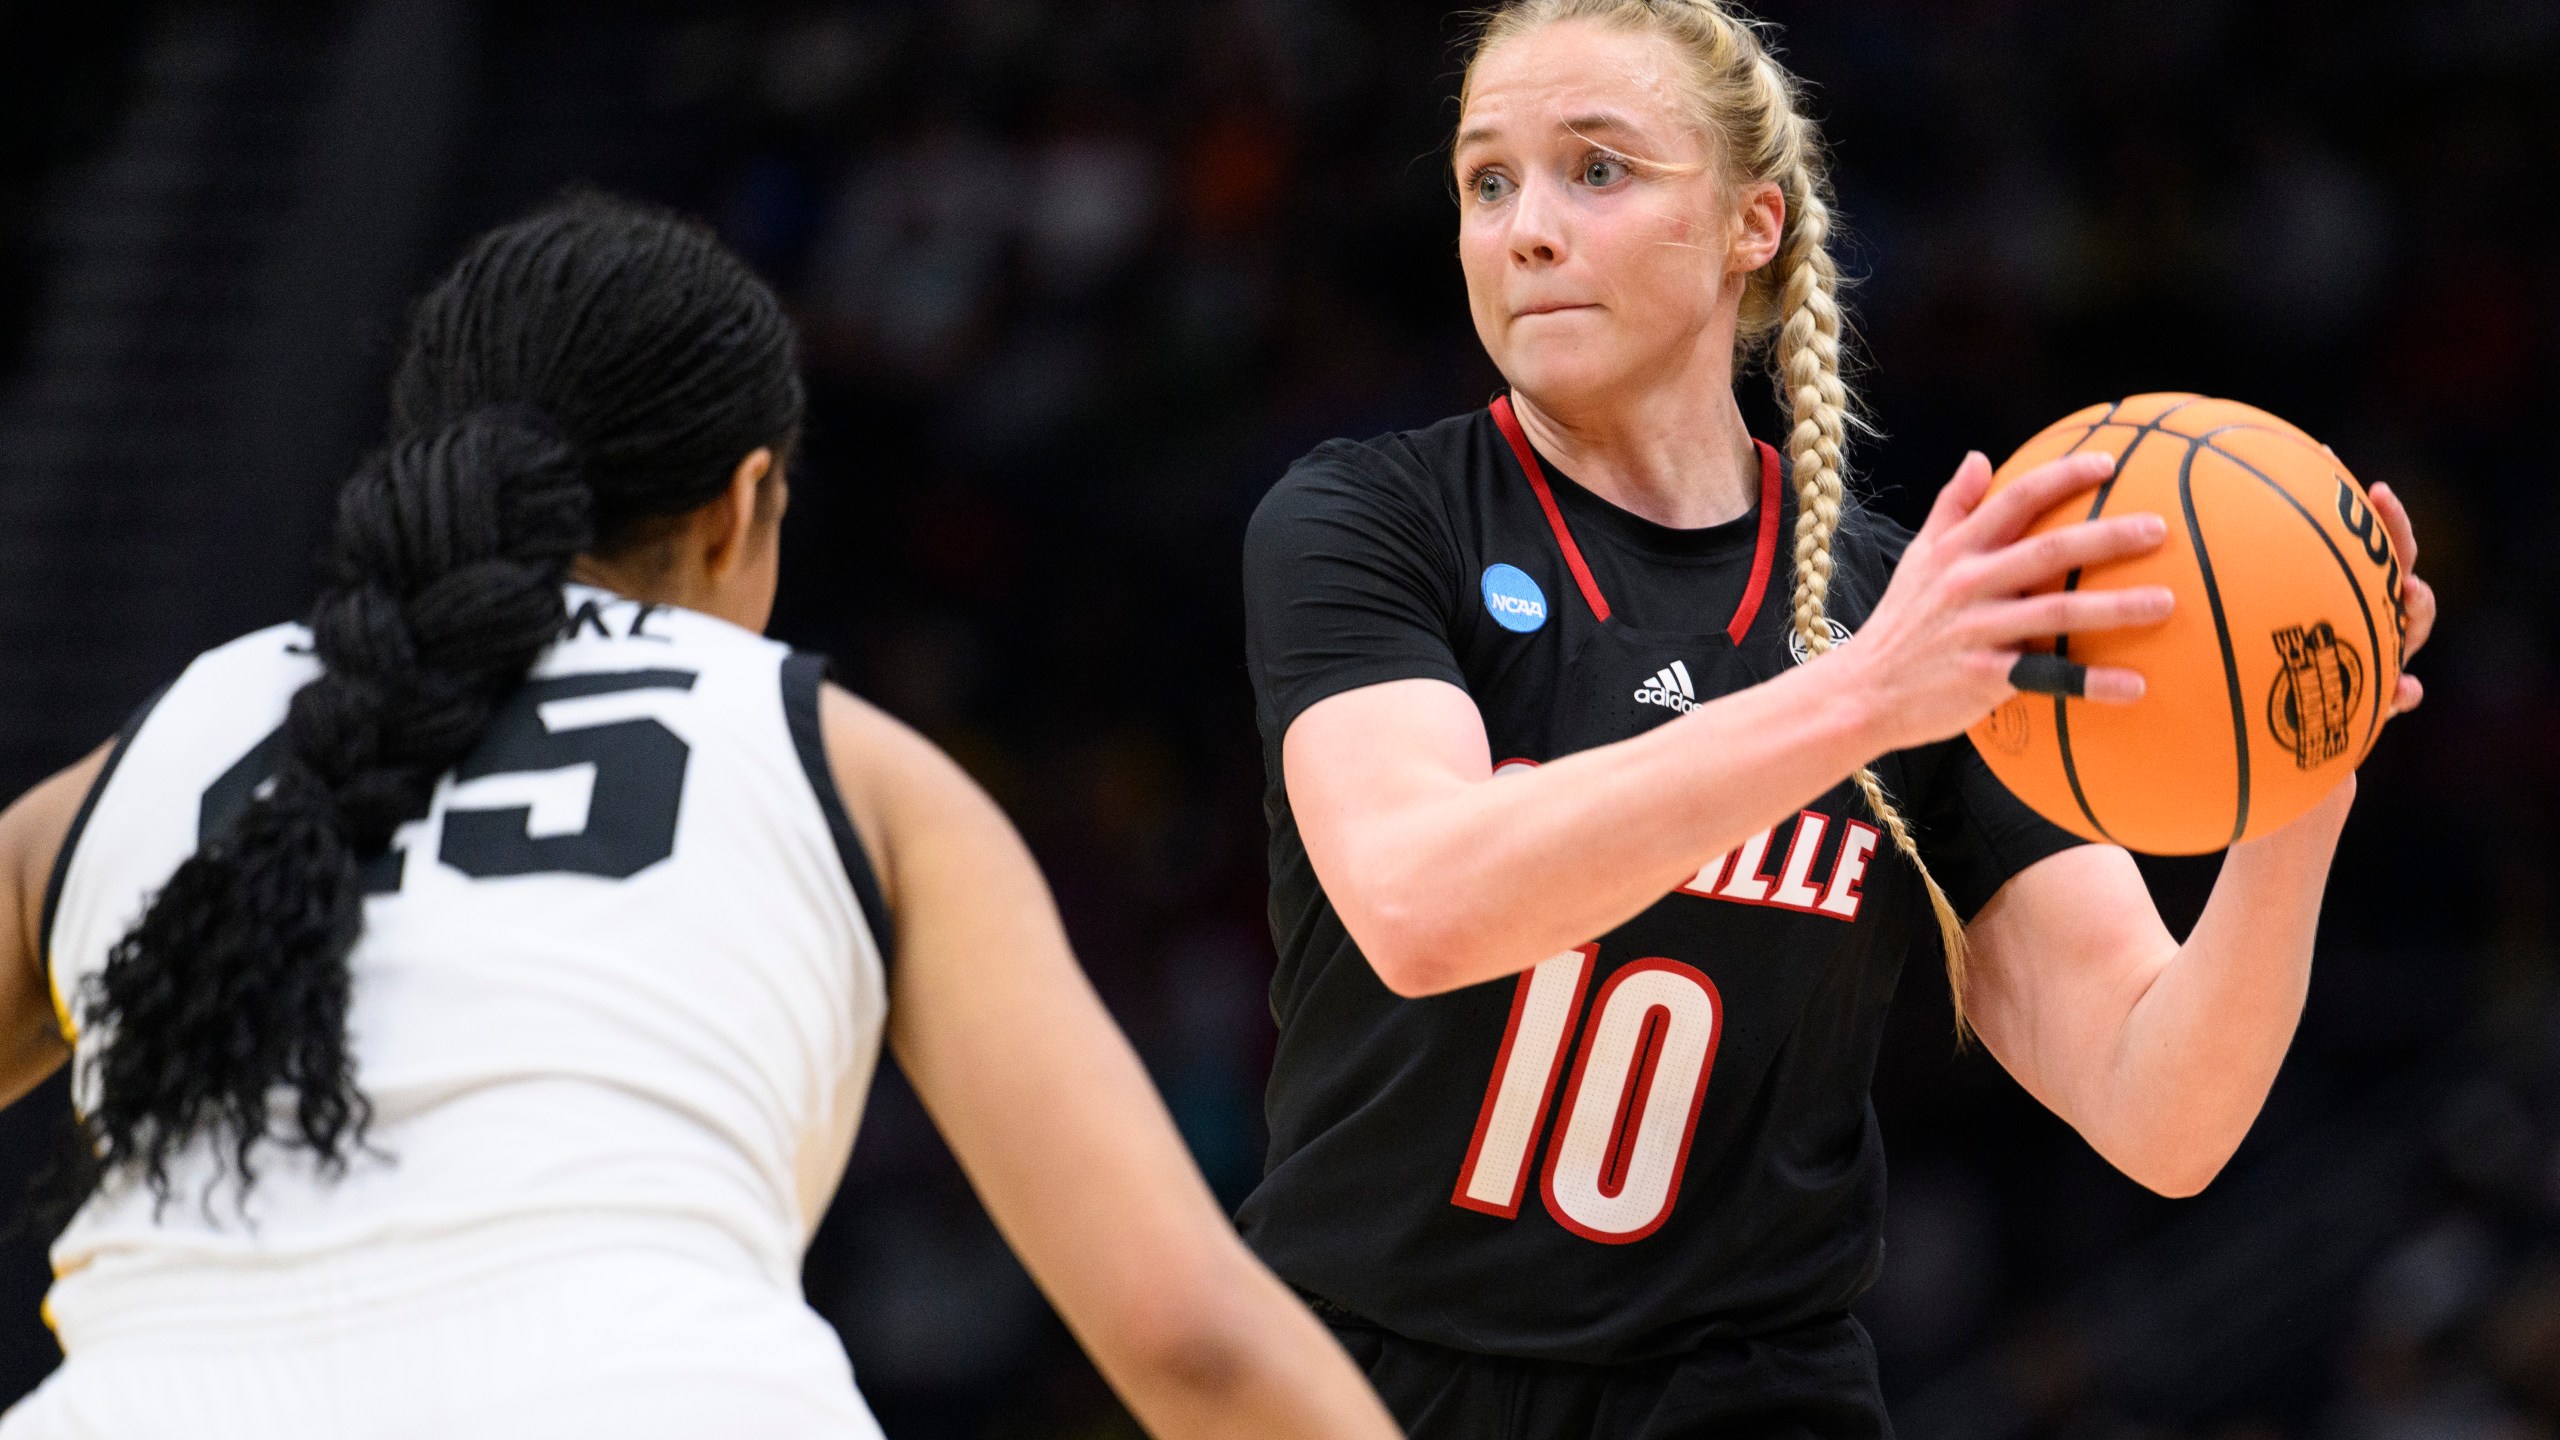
pixel 1537 236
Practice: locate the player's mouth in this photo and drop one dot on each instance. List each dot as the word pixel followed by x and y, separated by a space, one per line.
pixel 1557 307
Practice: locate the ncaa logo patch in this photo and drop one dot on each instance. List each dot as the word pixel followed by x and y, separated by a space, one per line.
pixel 1513 599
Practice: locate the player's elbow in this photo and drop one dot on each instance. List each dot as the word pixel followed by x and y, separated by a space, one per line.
pixel 1405 971
pixel 2176 1183
pixel 1408 947
pixel 2175 1168
pixel 1394 898
pixel 1405 979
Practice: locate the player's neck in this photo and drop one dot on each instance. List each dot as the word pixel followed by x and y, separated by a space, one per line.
pixel 1675 455
pixel 653 580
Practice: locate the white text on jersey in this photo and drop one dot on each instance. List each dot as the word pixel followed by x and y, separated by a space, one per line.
pixel 1743 876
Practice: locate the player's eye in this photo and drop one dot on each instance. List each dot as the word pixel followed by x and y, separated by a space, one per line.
pixel 1602 171
pixel 1488 186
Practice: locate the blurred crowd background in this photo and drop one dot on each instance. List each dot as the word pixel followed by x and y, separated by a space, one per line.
pixel 1079 278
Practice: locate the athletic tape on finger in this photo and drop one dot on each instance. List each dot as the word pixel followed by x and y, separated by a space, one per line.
pixel 2042 674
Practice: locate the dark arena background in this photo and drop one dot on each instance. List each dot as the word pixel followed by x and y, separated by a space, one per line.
pixel 1079 278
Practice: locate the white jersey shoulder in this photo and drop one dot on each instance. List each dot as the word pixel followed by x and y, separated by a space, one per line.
pixel 631 960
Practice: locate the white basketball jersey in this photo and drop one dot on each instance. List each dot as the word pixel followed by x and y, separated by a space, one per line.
pixel 631 963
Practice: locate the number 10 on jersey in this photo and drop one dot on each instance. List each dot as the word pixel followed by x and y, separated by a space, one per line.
pixel 1630 1107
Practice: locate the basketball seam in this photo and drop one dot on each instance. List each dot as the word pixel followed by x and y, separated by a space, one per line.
pixel 2083 437
pixel 2297 442
pixel 2372 635
pixel 2062 643
pixel 2222 633
pixel 2071 582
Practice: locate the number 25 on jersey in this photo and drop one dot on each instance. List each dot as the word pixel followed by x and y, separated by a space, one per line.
pixel 1630 1109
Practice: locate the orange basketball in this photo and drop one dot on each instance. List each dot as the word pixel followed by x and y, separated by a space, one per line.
pixel 2272 679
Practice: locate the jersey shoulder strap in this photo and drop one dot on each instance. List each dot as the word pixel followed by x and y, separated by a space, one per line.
pixel 804 673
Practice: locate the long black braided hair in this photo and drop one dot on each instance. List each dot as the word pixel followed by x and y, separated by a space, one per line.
pixel 580 378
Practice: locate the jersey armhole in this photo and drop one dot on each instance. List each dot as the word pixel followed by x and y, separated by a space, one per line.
pixel 802 676
pixel 52 905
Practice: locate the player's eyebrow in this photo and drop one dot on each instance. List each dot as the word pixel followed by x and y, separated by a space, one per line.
pixel 1600 120
pixel 1585 125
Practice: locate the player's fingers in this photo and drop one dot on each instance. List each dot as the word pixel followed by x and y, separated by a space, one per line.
pixel 2041 672
pixel 2001 519
pixel 1960 494
pixel 2039 559
pixel 2114 685
pixel 2009 622
pixel 2395 523
pixel 2418 604
pixel 2408 697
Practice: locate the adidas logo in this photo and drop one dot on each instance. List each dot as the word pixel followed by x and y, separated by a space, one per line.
pixel 1669 687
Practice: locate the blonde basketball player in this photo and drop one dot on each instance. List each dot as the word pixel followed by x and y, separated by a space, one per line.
pixel 1614 766
pixel 472 995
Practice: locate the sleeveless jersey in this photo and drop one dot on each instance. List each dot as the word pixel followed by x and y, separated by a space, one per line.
pixel 630 964
pixel 1661 1138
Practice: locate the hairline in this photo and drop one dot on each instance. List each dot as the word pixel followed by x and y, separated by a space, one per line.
pixel 1717 146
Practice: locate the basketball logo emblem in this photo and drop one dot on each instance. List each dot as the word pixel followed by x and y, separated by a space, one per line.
pixel 2011 725
pixel 2313 704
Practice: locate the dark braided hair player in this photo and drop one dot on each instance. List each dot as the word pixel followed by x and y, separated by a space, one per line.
pixel 1614 764
pixel 472 995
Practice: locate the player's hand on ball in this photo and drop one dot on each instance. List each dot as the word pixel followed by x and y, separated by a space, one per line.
pixel 1939 649
pixel 2417 597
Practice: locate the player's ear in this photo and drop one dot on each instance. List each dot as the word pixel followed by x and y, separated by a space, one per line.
pixel 726 528
pixel 1760 225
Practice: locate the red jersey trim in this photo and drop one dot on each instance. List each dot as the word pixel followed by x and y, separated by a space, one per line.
pixel 1529 466
pixel 1764 550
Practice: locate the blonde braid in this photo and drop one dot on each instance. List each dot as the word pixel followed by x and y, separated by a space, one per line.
pixel 1808 367
pixel 1749 103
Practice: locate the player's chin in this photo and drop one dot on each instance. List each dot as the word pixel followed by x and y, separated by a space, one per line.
pixel 1566 363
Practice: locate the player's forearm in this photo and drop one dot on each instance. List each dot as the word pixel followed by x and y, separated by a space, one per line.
pixel 2201 1047
pixel 1084 1174
pixel 1483 880
pixel 1243 1357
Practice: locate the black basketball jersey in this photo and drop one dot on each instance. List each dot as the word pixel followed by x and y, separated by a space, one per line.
pixel 1664 1136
